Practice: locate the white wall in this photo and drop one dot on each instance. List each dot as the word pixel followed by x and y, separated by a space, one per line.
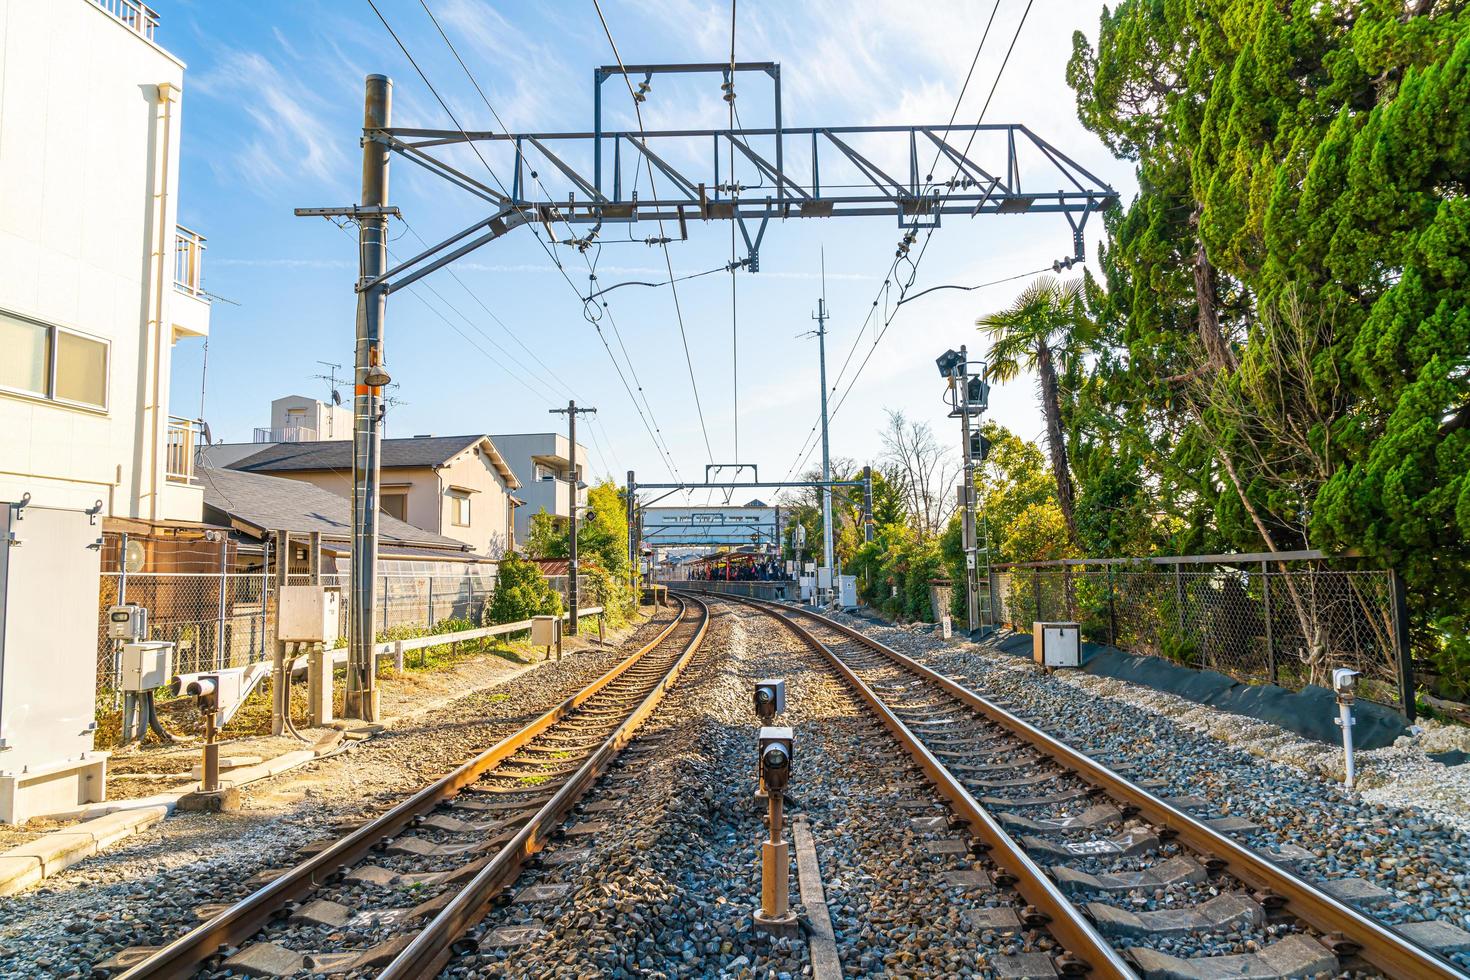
pixel 329 422
pixel 81 163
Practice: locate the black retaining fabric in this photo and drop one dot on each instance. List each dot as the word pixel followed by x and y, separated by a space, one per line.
pixel 1310 712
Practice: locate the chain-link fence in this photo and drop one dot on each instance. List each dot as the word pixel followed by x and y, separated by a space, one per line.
pixel 227 618
pixel 1286 623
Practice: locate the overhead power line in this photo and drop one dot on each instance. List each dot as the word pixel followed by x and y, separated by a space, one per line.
pixel 665 456
pixel 901 255
pixel 663 238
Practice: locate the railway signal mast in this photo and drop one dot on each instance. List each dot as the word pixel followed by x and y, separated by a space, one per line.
pixel 969 396
pixel 855 185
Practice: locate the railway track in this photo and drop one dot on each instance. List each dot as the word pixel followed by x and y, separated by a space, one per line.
pixel 391 897
pixel 1079 842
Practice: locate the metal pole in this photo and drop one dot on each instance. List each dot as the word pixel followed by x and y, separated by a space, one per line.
pixel 867 504
pixel 1401 643
pixel 219 626
pixel 572 564
pixel 265 583
pixel 1270 627
pixel 361 696
pixel 972 584
pixel 1112 611
pixel 632 534
pixel 821 317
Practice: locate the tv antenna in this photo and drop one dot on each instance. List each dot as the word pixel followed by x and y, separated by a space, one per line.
pixel 334 393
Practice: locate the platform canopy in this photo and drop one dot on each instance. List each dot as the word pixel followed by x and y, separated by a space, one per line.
pixel 672 527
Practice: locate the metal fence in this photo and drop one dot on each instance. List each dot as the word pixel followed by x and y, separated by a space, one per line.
pixel 1261 621
pixel 228 619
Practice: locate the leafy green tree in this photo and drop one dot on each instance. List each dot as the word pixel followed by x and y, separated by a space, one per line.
pixel 1042 331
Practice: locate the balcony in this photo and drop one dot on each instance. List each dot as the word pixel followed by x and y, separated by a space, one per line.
pixel 137 17
pixel 191 306
pixel 181 445
pixel 291 433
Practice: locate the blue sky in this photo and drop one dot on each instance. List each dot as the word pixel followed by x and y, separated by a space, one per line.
pixel 272 115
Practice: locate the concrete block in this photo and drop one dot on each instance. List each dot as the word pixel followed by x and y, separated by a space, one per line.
pixel 1024 966
pixel 323 913
pixel 1001 917
pixel 1436 934
pixel 1294 956
pixel 1357 891
pixel 266 960
pixel 1215 915
pixel 19 871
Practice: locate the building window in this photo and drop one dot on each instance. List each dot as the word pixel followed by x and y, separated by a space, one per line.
pixel 459 500
pixel 52 362
pixel 395 505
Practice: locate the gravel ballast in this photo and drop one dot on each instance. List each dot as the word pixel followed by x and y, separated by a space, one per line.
pixel 144 891
pixel 671 881
pixel 1395 834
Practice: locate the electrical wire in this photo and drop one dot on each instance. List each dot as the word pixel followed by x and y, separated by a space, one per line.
pixel 804 453
pixel 662 447
pixel 666 457
pixel 668 261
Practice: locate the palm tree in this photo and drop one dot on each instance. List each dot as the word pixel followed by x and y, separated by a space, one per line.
pixel 1039 332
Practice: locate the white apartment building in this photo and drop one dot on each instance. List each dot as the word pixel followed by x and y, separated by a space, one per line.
pixel 99 280
pixel 97 284
pixel 543 465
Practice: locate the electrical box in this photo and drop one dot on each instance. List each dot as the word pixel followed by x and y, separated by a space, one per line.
pixel 1056 644
pixel 308 614
pixel 49 609
pixel 545 631
pixel 824 577
pixel 807 583
pixel 128 621
pixel 146 666
pixel 847 591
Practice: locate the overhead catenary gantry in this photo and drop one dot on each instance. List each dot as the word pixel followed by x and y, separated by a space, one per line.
pixel 551 185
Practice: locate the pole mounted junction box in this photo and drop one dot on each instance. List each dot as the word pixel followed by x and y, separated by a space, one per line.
pixel 128 621
pixel 146 666
pixel 1056 644
pixel 545 631
pixel 308 614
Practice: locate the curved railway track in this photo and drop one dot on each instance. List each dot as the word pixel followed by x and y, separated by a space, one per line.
pixel 1074 837
pixel 413 879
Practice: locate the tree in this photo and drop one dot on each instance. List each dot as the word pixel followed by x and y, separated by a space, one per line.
pixel 1043 331
pixel 924 471
pixel 602 544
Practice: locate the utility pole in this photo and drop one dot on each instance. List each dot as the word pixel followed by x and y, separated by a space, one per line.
pixel 361 696
pixel 632 503
pixel 571 412
pixel 821 332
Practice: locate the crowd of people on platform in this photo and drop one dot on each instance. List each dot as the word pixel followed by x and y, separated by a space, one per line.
pixel 759 571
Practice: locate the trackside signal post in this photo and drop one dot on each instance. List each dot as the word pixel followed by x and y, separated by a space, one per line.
pixel 969 397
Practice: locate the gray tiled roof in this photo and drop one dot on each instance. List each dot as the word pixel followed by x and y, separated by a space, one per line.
pixel 337 455
pixel 274 503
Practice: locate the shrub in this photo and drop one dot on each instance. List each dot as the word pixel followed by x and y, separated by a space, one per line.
pixel 521 591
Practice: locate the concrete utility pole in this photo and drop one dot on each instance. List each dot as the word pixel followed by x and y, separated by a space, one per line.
pixel 821 317
pixel 867 504
pixel 361 696
pixel 571 412
pixel 632 503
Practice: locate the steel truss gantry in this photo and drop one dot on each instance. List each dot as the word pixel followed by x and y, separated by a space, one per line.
pixel 842 176
pixel 550 184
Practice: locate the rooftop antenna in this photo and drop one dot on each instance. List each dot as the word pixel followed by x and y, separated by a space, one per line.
pixel 331 379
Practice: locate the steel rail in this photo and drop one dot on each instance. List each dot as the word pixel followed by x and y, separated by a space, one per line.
pixel 184 956
pixel 1350 932
pixel 1087 951
pixel 432 948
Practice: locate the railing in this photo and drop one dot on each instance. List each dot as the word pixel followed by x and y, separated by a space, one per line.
pixel 180 447
pixel 1285 619
pixel 291 433
pixel 138 17
pixel 189 263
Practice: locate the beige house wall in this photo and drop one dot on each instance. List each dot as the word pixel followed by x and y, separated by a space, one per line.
pixel 430 504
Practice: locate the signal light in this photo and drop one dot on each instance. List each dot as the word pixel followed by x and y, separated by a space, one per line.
pixel 979 447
